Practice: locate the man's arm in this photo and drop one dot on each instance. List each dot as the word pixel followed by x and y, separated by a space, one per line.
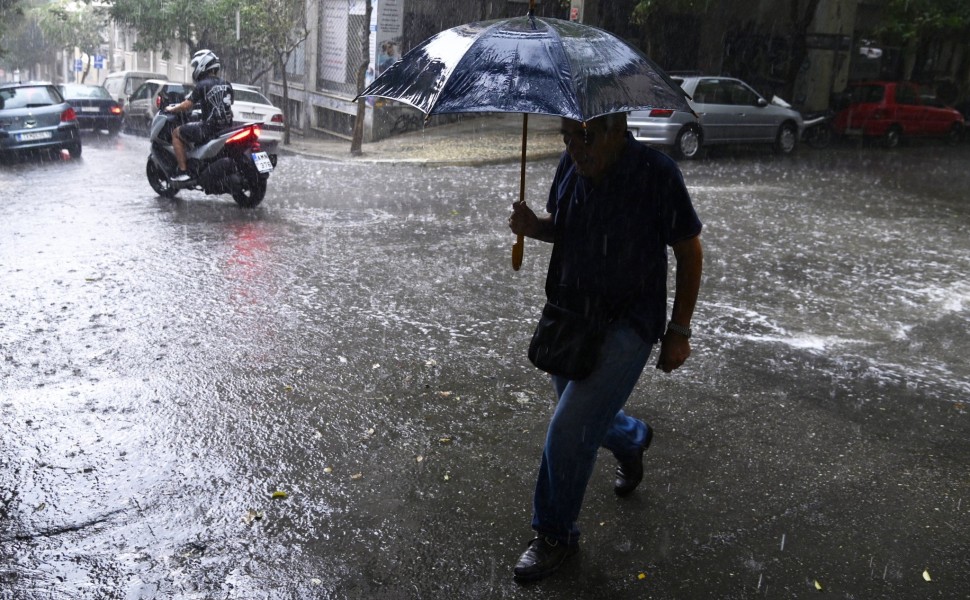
pixel 675 347
pixel 182 106
pixel 523 221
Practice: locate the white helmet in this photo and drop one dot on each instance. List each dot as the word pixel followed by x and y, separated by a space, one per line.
pixel 202 62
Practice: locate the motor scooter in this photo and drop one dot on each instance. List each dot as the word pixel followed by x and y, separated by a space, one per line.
pixel 230 163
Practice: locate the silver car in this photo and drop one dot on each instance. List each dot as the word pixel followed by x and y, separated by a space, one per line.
pixel 34 117
pixel 728 111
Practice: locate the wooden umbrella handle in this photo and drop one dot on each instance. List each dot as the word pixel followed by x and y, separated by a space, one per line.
pixel 518 248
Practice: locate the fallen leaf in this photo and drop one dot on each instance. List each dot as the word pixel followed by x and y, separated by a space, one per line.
pixel 328 470
pixel 316 581
pixel 431 363
pixel 445 440
pixel 419 458
pixel 279 495
pixel 447 477
pixel 926 575
pixel 252 515
pixel 376 366
pixel 444 394
pixel 642 576
pixel 818 585
pixel 357 476
pixel 287 388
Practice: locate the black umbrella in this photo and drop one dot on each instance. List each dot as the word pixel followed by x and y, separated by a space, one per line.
pixel 528 65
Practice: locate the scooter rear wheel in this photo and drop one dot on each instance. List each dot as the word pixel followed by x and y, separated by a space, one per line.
pixel 253 185
pixel 158 180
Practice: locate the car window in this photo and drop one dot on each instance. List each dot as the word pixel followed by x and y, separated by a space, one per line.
pixel 708 91
pixel 250 96
pixel 906 95
pixel 867 93
pixel 75 92
pixel 29 97
pixel 739 94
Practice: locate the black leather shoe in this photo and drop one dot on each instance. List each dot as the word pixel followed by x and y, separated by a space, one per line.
pixel 543 557
pixel 629 473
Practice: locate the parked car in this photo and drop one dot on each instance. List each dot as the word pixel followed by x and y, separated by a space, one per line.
pixel 94 106
pixel 122 84
pixel 147 100
pixel 250 105
pixel 891 111
pixel 729 111
pixel 34 116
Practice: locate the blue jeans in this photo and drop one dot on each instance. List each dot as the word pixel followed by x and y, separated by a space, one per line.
pixel 589 415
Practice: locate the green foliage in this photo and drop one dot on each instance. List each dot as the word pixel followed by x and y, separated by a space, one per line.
pixel 645 9
pixel 922 19
pixel 66 24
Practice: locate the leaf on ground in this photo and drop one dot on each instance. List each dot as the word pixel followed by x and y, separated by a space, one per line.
pixel 279 495
pixel 642 576
pixel 357 476
pixel 445 440
pixel 419 458
pixel 252 515
pixel 926 575
pixel 328 470
pixel 818 585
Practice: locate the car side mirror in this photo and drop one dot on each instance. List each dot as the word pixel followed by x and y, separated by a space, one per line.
pixel 762 102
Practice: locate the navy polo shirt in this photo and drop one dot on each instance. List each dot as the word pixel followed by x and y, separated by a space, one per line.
pixel 611 240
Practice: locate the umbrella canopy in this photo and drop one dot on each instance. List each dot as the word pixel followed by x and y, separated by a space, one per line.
pixel 528 65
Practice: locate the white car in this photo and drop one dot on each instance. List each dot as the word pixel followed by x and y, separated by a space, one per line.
pixel 250 105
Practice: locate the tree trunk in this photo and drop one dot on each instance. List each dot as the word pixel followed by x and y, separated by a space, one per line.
pixel 800 22
pixel 286 101
pixel 357 141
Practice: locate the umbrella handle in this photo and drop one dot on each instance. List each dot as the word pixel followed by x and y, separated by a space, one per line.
pixel 518 248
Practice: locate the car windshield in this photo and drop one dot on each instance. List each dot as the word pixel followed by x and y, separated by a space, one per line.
pixel 249 96
pixel 867 93
pixel 28 97
pixel 80 92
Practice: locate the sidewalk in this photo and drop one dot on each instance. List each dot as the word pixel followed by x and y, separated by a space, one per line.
pixel 472 140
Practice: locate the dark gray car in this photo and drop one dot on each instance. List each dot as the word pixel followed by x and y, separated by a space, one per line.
pixel 35 117
pixel 729 111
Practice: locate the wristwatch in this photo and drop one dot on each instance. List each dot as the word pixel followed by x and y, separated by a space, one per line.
pixel 684 331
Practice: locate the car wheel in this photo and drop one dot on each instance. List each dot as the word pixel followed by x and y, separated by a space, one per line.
pixel 158 180
pixel 688 144
pixel 74 150
pixel 892 137
pixel 955 134
pixel 787 139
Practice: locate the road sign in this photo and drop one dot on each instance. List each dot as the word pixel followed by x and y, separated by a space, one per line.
pixel 78 65
pixel 98 61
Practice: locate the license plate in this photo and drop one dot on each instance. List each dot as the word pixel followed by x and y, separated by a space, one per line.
pixel 36 135
pixel 263 164
pixel 90 109
pixel 253 116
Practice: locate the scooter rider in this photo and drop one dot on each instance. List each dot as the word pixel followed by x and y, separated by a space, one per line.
pixel 214 96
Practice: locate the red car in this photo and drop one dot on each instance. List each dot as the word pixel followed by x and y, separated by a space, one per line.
pixel 893 110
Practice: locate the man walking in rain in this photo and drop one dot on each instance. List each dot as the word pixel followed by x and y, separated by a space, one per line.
pixel 614 207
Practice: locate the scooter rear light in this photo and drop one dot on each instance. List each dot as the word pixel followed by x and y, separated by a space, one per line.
pixel 68 115
pixel 245 134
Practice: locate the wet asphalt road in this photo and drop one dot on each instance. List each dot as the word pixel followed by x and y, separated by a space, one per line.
pixel 358 344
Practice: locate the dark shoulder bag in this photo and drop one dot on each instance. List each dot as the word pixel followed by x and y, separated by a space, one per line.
pixel 566 343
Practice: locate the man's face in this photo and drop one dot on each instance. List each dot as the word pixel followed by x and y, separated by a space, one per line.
pixel 593 148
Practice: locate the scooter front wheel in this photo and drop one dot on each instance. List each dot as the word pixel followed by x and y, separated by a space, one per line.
pixel 159 181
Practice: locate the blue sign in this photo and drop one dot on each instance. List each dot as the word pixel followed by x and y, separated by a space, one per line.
pixel 78 65
pixel 98 61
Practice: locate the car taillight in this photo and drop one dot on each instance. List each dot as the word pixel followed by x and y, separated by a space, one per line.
pixel 276 119
pixel 68 115
pixel 116 110
pixel 663 113
pixel 158 102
